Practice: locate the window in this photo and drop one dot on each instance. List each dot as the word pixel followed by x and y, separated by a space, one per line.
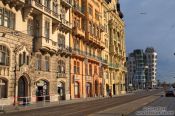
pixel 47 63
pixel 47 3
pixel 38 1
pixel 61 66
pixel 97 17
pixel 86 69
pixel 23 59
pixel 75 69
pixel 47 29
pixel 78 68
pixel 90 10
pixel 55 7
pixel 4 55
pixel 76 44
pixel 90 28
pixel 95 69
pixel 1 16
pixel 38 62
pixel 93 30
pixel 90 69
pixel 37 28
pixel 30 27
pixel 7 18
pixel 61 41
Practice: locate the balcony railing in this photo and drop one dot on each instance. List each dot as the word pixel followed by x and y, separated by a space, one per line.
pixel 39 5
pixel 47 9
pixel 113 65
pixel 79 9
pixel 61 75
pixel 63 49
pixel 66 23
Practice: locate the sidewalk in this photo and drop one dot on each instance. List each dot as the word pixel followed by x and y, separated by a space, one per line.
pixel 38 105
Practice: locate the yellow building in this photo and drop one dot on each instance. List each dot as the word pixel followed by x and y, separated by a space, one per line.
pixel 114 52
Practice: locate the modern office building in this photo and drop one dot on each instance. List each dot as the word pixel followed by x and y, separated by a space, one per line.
pixel 142 68
pixel 151 62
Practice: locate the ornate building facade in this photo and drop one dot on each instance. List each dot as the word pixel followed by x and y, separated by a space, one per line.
pixel 60 49
pixel 115 52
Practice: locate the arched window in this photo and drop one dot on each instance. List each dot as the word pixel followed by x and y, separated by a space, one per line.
pixel 61 66
pixel 4 55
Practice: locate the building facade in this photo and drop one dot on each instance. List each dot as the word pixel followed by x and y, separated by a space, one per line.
pixel 61 49
pixel 151 62
pixel 131 66
pixel 142 68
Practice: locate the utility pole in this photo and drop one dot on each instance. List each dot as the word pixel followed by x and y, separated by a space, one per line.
pixel 15 97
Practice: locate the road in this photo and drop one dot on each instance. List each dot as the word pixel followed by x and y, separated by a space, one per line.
pixel 84 108
pixel 166 104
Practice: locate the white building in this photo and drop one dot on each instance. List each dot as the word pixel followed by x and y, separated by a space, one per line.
pixel 151 62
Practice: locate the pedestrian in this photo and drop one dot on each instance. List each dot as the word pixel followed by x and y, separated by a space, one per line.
pixel 110 94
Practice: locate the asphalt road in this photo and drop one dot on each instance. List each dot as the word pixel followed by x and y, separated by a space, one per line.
pixel 166 104
pixel 84 108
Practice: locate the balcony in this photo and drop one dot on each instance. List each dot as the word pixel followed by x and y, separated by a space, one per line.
pixel 47 9
pixel 95 41
pixel 78 32
pixel 64 50
pixel 66 3
pixel 37 8
pixel 78 53
pixel 18 4
pixel 4 70
pixel 78 10
pixel 112 65
pixel 65 26
pixel 62 75
pixel 46 45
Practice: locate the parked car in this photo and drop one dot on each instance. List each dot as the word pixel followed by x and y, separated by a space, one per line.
pixel 170 93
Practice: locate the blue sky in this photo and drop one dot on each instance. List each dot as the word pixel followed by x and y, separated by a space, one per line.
pixel 152 23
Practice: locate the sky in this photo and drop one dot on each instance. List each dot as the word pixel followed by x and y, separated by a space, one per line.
pixel 152 23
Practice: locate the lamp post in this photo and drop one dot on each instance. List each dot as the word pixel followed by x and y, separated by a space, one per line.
pixel 15 78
